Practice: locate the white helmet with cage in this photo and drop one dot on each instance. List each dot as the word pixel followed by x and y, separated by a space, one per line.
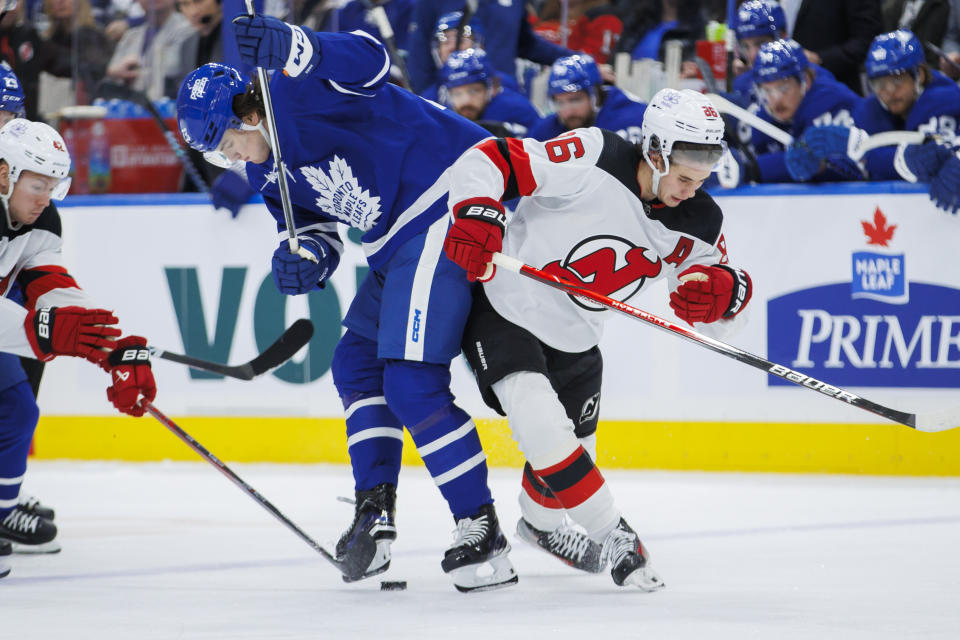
pixel 37 147
pixel 682 116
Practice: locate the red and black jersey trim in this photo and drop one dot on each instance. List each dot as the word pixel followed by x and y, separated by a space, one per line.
pixel 512 160
pixel 39 280
pixel 573 480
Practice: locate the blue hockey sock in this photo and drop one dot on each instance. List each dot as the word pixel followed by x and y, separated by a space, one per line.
pixel 446 438
pixel 18 419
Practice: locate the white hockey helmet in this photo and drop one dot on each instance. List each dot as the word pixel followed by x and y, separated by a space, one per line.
pixel 37 147
pixel 681 116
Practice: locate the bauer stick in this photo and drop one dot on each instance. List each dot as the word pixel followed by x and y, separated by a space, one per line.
pixel 290 341
pixel 349 570
pixel 868 143
pixel 271 125
pixel 928 422
pixel 110 90
pixel 730 39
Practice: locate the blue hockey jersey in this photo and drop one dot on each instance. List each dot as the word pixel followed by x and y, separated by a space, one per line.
pixel 354 16
pixel 360 151
pixel 513 110
pixel 936 111
pixel 826 102
pixel 620 113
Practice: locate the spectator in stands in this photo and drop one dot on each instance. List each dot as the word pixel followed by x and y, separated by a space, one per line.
pixel 473 90
pixel 927 20
pixel 651 23
pixel 581 100
pixel 508 36
pixel 21 48
pixel 794 97
pixel 79 53
pixel 150 57
pixel 951 43
pixel 836 35
pixel 594 26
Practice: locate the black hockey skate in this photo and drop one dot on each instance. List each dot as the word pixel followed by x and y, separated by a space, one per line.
pixel 29 533
pixel 629 559
pixel 33 506
pixel 364 549
pixel 566 543
pixel 479 543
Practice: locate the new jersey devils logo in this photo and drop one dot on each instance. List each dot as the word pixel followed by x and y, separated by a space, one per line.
pixel 609 265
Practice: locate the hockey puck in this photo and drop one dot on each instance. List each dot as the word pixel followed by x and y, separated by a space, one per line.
pixel 399 585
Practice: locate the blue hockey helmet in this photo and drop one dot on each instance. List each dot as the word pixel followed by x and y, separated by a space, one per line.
pixel 450 21
pixel 466 67
pixel 779 59
pixel 758 18
pixel 205 104
pixel 574 73
pixel 11 93
pixel 894 52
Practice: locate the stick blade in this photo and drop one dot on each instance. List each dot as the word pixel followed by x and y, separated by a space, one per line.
pixel 935 421
pixel 291 341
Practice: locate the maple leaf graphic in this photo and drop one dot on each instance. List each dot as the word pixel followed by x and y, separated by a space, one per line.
pixel 878 232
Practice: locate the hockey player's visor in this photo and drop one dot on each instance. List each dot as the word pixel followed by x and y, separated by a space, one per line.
pixel 218 159
pixel 704 159
pixel 63 187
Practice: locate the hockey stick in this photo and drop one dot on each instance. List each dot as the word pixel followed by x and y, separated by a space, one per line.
pixel 290 341
pixel 112 90
pixel 865 144
pixel 928 422
pixel 469 8
pixel 942 54
pixel 271 124
pixel 378 15
pixel 349 570
pixel 730 39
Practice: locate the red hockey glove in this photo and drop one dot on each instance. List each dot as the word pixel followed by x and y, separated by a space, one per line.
pixel 707 294
pixel 131 375
pixel 71 331
pixel 477 233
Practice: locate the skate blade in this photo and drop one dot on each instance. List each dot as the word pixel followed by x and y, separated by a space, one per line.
pixel 495 573
pixel 355 568
pixel 645 579
pixel 47 547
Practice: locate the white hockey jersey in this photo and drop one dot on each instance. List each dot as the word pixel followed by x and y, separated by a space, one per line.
pixel 581 217
pixel 31 255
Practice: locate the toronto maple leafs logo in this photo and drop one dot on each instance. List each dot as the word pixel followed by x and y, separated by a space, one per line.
pixel 341 196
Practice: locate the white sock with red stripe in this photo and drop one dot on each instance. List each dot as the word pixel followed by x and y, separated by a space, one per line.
pixel 556 459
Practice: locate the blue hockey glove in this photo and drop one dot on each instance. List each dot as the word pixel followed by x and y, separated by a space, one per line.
pixel 230 191
pixel 294 275
pixel 802 164
pixel 922 161
pixel 945 186
pixel 832 141
pixel 273 44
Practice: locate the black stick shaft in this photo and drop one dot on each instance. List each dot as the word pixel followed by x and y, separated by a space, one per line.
pixel 237 480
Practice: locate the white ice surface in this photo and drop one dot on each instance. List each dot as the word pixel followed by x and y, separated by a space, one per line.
pixel 176 551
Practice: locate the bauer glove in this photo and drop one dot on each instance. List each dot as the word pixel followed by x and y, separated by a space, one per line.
pixel 71 331
pixel 476 234
pixel 707 294
pixel 131 375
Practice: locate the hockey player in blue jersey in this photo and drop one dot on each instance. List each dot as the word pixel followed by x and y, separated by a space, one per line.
pixel 757 22
pixel 907 96
pixel 473 89
pixel 795 97
pixel 372 156
pixel 581 100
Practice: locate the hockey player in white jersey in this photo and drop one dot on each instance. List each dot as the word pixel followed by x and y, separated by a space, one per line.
pixel 611 216
pixel 58 318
